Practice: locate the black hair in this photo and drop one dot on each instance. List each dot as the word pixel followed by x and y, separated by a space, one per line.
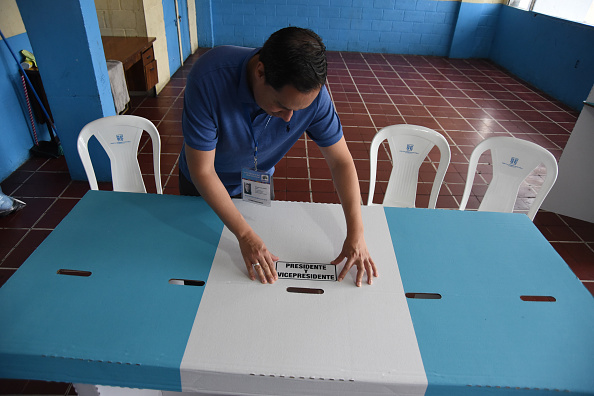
pixel 294 56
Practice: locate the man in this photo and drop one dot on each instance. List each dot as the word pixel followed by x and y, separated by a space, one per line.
pixel 245 108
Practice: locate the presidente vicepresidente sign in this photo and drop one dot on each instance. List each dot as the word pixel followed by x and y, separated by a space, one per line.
pixel 306 271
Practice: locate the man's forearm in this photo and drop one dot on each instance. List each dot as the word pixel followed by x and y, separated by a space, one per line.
pixel 210 187
pixel 347 186
pixel 346 182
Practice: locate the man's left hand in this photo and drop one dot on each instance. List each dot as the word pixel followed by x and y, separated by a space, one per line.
pixel 354 250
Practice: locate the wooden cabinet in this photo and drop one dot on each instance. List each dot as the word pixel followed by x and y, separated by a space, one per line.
pixel 137 56
pixel 151 76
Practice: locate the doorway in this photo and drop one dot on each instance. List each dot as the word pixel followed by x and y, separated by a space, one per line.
pixel 177 32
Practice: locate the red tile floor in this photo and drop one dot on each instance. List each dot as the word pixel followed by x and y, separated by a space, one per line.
pixel 465 100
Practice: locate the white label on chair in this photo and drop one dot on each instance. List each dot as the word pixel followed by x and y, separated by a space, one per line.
pixel 120 139
pixel 409 149
pixel 513 163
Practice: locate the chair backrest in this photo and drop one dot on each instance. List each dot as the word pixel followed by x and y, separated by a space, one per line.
pixel 120 136
pixel 512 160
pixel 409 146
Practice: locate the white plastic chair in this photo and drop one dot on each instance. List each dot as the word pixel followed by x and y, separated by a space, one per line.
pixel 512 160
pixel 120 136
pixel 409 146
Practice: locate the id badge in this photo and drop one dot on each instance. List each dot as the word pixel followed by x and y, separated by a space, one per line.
pixel 255 186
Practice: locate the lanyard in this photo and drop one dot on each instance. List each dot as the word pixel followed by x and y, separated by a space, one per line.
pixel 249 122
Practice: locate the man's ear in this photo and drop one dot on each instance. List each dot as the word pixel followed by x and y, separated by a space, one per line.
pixel 260 72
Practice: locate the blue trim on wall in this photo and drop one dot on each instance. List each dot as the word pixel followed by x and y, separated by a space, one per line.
pixel 553 54
pixel 16 131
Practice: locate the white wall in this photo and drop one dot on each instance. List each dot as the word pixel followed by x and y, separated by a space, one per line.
pixel 121 18
pixel 573 10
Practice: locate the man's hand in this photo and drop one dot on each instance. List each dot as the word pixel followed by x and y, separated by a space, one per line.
pixel 258 260
pixel 355 251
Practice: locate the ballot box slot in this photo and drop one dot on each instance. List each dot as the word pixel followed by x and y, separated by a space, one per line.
pixel 305 290
pixel 186 282
pixel 538 298
pixel 72 272
pixel 424 296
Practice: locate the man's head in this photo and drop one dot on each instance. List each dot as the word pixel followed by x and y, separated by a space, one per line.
pixel 294 56
pixel 288 72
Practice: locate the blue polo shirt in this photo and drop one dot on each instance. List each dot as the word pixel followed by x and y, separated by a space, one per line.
pixel 218 107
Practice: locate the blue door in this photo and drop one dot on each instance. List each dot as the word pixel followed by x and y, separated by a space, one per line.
pixel 171 35
pixel 184 27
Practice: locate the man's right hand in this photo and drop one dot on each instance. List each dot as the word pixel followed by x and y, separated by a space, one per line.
pixel 208 184
pixel 258 260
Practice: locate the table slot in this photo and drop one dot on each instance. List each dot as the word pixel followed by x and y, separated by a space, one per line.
pixel 186 282
pixel 305 290
pixel 538 298
pixel 424 296
pixel 72 272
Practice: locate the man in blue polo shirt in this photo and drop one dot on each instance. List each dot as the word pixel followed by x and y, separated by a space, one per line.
pixel 245 108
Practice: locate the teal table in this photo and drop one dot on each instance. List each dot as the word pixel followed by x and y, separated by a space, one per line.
pixel 150 291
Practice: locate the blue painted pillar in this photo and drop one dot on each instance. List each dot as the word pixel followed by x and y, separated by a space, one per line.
pixel 463 41
pixel 66 42
pixel 204 22
pixel 475 29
